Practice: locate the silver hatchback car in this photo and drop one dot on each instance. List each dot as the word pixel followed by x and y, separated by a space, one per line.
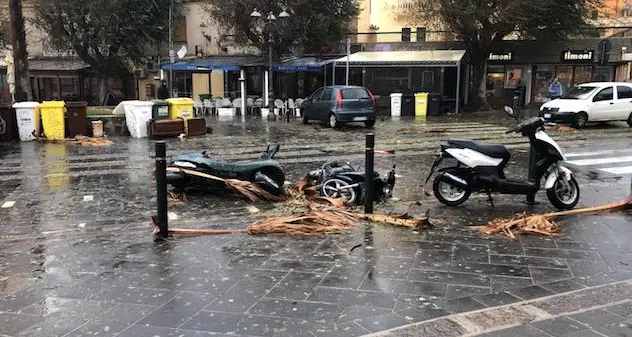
pixel 339 104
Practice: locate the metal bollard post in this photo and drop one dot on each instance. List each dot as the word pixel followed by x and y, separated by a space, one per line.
pixel 369 170
pixel 287 113
pixel 161 188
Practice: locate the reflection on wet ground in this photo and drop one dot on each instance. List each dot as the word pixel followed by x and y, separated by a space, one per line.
pixel 77 257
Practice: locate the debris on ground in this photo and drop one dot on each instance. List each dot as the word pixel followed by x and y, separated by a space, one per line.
pixel 92 141
pixel 542 224
pixel 560 128
pixel 421 130
pixel 245 188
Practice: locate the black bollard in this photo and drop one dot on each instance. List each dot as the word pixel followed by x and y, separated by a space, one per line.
pixel 287 113
pixel 161 188
pixel 369 170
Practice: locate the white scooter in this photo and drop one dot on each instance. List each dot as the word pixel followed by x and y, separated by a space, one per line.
pixel 480 168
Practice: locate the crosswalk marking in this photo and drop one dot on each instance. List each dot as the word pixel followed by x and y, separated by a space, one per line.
pixel 8 204
pixel 619 170
pixel 593 153
pixel 600 161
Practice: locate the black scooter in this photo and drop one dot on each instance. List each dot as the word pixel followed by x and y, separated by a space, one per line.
pixel 480 168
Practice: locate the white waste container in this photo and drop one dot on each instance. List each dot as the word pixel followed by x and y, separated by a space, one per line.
pixel 27 115
pixel 137 117
pixel 396 104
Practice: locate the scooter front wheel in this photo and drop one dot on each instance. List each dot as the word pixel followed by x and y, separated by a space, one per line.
pixel 449 194
pixel 564 195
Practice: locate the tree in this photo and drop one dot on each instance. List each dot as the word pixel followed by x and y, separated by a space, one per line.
pixel 110 36
pixel 20 55
pixel 312 24
pixel 482 26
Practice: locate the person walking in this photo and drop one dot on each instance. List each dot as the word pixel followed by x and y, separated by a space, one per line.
pixel 163 91
pixel 555 89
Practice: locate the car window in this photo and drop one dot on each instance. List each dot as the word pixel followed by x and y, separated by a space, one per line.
pixel 355 93
pixel 316 95
pixel 606 94
pixel 582 92
pixel 326 96
pixel 624 92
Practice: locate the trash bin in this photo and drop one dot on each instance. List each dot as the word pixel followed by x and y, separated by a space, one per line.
pixel 77 118
pixel 408 105
pixel 421 104
pixel 53 115
pixel 180 108
pixel 8 123
pixel 434 104
pixel 160 110
pixel 28 117
pixel 396 104
pixel 137 117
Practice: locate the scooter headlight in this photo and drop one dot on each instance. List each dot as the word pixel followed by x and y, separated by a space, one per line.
pixel 184 164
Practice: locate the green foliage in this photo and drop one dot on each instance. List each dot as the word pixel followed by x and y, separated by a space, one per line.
pixel 312 24
pixel 111 36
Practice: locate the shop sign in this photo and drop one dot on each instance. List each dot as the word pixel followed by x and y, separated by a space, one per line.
pixel 578 55
pixel 501 57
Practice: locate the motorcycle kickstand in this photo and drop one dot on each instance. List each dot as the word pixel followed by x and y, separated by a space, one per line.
pixel 490 199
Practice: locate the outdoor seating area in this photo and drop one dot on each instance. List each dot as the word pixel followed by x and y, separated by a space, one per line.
pixel 226 107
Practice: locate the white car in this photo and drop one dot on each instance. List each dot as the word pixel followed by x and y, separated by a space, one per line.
pixel 591 102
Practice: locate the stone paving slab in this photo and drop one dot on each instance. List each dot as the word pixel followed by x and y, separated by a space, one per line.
pixel 596 311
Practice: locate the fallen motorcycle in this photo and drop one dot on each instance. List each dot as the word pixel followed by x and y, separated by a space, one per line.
pixel 264 171
pixel 347 181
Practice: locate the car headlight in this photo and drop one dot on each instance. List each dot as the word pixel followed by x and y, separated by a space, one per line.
pixel 184 164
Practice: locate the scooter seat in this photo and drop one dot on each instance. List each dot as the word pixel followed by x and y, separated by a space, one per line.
pixel 494 151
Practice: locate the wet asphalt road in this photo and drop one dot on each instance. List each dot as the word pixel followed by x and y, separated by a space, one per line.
pixel 77 256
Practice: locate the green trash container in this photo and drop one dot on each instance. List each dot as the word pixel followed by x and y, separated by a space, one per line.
pixel 160 110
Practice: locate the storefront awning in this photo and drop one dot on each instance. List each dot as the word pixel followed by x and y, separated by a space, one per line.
pixel 302 64
pixel 404 58
pixel 224 63
pixel 57 64
pixel 184 66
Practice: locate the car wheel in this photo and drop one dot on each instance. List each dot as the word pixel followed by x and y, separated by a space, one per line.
pixel 581 119
pixel 370 123
pixel 333 121
pixel 630 120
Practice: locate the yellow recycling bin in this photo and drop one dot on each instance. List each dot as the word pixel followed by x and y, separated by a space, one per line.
pixel 421 104
pixel 53 119
pixel 180 108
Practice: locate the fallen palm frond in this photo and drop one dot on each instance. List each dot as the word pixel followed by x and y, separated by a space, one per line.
pixel 92 141
pixel 246 188
pixel 561 128
pixel 328 220
pixel 543 224
pixel 423 130
pixel 177 198
pixel 404 220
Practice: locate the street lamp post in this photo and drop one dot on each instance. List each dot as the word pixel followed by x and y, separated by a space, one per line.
pixel 269 20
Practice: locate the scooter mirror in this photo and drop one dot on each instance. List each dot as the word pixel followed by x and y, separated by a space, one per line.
pixel 510 111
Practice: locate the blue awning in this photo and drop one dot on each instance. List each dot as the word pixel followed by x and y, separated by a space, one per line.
pixel 303 64
pixel 184 66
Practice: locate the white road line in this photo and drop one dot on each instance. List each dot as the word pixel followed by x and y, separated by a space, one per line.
pixel 88 198
pixel 594 153
pixel 600 161
pixel 618 170
pixel 8 204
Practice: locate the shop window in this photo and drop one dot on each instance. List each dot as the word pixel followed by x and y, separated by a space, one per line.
pixel 182 84
pixel 583 74
pixel 565 75
pixel 514 77
pixel 624 92
pixel 427 80
pixel 544 75
pixel 495 80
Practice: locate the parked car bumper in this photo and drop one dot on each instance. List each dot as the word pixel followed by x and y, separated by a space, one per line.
pixel 558 117
pixel 359 116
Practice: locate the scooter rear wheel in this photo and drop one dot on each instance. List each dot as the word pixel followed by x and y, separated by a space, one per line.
pixel 448 194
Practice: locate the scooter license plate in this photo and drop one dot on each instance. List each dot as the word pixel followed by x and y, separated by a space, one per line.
pixel 547 116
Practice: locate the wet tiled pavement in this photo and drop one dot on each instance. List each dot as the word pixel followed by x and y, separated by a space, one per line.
pixel 77 257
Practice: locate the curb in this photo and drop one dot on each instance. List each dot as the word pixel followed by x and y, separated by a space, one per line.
pixel 488 320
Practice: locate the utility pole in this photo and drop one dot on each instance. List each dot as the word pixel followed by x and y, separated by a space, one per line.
pixel 171 51
pixel 20 54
